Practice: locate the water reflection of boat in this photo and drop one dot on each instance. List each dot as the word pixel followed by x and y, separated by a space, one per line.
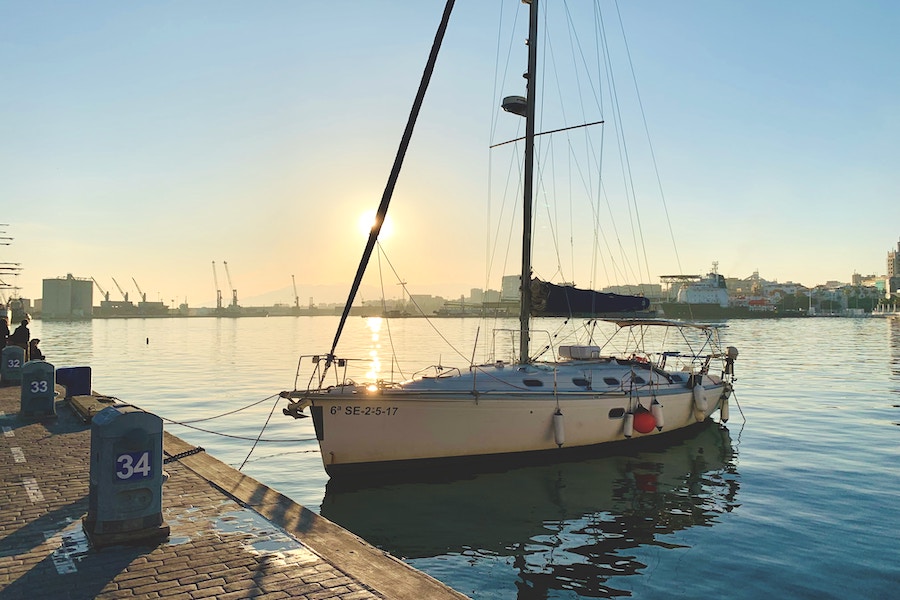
pixel 564 525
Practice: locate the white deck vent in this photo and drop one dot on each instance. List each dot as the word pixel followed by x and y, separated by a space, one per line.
pixel 579 352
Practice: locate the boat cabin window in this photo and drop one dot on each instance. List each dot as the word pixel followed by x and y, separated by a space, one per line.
pixel 581 382
pixel 638 379
pixel 533 382
pixel 610 381
pixel 616 413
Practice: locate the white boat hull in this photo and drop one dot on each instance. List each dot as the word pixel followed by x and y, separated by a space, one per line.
pixel 361 429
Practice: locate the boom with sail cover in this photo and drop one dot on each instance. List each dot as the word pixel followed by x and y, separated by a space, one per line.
pixel 551 300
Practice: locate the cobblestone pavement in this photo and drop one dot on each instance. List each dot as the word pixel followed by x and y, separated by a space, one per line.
pixel 230 536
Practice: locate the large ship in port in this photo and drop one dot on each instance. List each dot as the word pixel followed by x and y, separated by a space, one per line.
pixel 706 298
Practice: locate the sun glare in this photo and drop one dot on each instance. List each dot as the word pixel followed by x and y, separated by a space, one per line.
pixel 367 220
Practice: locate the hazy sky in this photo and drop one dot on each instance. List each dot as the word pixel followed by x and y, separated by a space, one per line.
pixel 147 139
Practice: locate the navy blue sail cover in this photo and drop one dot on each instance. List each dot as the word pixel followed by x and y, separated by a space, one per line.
pixel 551 300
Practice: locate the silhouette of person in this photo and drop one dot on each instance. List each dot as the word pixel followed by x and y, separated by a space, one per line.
pixel 4 332
pixel 21 335
pixel 34 353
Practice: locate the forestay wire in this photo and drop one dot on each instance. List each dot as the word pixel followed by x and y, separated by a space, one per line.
pixel 392 180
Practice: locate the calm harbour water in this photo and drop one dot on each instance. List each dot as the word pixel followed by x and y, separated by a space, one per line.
pixel 798 501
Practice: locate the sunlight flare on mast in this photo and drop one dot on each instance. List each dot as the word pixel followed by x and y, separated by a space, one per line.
pixel 367 221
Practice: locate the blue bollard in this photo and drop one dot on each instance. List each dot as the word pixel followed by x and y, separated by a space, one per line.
pixel 13 359
pixel 126 477
pixel 38 397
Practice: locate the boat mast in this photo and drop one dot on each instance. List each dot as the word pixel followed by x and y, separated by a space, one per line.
pixel 530 95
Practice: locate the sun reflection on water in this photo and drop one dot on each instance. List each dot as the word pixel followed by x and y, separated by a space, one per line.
pixel 374 325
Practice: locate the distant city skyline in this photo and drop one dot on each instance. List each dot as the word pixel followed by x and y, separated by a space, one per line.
pixel 336 293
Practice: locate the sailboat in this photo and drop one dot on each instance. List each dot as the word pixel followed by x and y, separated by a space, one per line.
pixel 613 389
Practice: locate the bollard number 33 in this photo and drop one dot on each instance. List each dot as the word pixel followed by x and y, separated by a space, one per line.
pixel 133 465
pixel 39 387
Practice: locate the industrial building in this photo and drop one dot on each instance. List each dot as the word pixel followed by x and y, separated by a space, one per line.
pixel 66 298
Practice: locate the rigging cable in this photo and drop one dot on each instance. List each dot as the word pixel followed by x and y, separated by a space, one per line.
pixel 490 247
pixel 610 241
pixel 740 410
pixel 381 213
pixel 387 322
pixel 440 334
pixel 649 143
pixel 418 308
pixel 261 431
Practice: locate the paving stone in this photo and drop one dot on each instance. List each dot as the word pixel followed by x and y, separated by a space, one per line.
pixel 43 499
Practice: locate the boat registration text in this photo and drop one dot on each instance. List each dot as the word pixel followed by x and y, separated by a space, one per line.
pixel 364 411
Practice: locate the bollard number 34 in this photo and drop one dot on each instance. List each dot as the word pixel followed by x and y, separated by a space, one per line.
pixel 133 465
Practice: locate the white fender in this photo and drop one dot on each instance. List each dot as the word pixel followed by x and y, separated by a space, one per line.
pixel 723 409
pixel 559 428
pixel 656 410
pixel 700 401
pixel 628 424
pixel 701 404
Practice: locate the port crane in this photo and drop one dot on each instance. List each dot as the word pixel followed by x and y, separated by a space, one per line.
pixel 296 297
pixel 142 294
pixel 124 293
pixel 234 300
pixel 102 291
pixel 218 289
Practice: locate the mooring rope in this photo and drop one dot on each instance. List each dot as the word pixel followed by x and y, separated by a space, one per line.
pixel 231 412
pixel 266 424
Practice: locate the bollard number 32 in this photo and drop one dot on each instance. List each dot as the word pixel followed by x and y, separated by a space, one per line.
pixel 133 465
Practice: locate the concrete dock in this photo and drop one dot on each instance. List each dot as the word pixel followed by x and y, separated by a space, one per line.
pixel 230 535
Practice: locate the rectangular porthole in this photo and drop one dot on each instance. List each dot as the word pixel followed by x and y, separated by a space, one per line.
pixel 616 413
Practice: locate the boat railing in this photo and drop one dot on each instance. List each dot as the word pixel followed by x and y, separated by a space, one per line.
pixel 688 361
pixel 438 372
pixel 694 345
pixel 326 371
pixel 511 355
pixel 315 372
